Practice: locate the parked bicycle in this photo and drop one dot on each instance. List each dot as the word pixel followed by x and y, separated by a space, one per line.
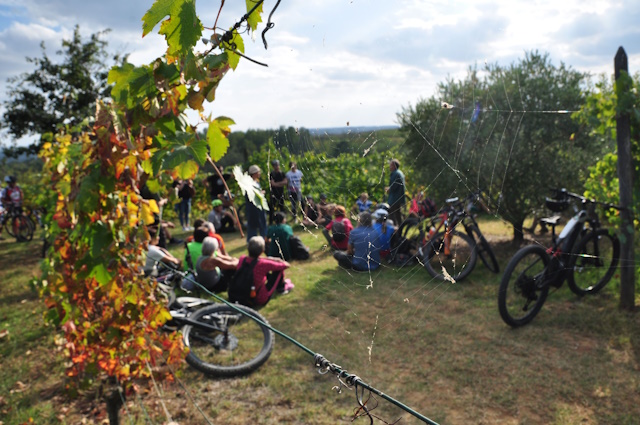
pixel 584 254
pixel 223 340
pixel 445 252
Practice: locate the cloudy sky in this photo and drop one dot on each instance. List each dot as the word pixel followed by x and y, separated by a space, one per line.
pixel 333 62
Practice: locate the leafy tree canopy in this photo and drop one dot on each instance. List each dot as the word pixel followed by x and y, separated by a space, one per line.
pixel 505 130
pixel 57 92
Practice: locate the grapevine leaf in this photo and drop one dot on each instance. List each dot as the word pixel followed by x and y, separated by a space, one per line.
pixel 183 29
pixel 155 14
pixel 217 137
pixel 256 17
pixel 101 238
pixel 187 170
pixel 234 58
pixel 249 189
pixel 100 274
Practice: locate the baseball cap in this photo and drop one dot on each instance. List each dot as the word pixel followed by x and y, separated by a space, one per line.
pixel 216 203
pixel 254 169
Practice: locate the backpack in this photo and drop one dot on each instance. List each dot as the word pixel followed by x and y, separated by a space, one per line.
pixel 241 283
pixel 339 231
pixel 298 250
pixel 429 208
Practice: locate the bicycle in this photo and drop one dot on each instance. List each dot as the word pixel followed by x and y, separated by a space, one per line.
pixel 16 223
pixel 433 242
pixel 223 340
pixel 586 257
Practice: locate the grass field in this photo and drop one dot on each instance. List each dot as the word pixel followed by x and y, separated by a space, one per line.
pixel 439 348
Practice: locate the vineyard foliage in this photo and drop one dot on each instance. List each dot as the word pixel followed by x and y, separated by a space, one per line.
pixel 92 282
pixel 342 178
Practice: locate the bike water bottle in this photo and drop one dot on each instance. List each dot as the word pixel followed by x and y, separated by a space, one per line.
pixel 252 293
pixel 432 231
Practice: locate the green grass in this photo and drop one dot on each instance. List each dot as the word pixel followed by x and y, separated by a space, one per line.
pixel 437 347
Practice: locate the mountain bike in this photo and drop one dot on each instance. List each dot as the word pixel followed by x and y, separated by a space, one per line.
pixel 444 252
pixel 223 340
pixel 584 254
pixel 16 223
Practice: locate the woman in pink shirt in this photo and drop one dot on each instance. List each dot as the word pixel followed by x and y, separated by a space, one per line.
pixel 268 276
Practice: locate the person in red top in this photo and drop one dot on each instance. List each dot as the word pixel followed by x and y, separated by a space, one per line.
pixel 340 228
pixel 13 195
pixel 268 274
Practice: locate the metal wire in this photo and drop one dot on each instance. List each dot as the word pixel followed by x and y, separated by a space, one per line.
pixel 323 365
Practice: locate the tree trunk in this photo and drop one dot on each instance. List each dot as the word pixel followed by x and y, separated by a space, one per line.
pixel 518 232
pixel 113 398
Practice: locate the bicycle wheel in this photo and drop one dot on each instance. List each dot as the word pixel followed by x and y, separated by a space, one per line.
pixel 239 345
pixel 593 262
pixel 523 288
pixel 454 263
pixel 9 226
pixel 484 249
pixel 21 228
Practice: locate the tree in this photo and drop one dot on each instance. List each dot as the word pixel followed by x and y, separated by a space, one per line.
pixel 508 133
pixel 57 92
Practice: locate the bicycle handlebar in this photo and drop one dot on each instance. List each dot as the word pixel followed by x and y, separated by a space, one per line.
pixel 586 200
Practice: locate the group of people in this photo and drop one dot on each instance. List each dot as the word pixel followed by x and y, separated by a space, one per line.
pixel 359 248
pixel 214 269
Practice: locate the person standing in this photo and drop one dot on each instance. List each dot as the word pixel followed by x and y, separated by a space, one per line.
pixel 277 182
pixel 256 216
pixel 294 180
pixel 186 192
pixel 395 190
pixel 215 184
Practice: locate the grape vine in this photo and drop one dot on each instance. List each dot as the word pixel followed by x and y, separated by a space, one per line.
pixel 92 283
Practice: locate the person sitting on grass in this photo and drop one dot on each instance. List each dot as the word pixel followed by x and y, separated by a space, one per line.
pixel 214 269
pixel 156 255
pixel 385 230
pixel 363 252
pixel 193 250
pixel 340 227
pixel 310 217
pixel 268 276
pixel 222 219
pixel 278 237
pixel 325 211
pixel 363 203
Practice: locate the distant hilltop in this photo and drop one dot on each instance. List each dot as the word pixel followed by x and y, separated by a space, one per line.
pixel 350 129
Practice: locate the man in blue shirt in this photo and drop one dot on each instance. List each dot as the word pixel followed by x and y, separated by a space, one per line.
pixel 363 252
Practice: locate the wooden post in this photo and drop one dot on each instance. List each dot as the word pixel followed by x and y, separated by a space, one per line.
pixel 625 176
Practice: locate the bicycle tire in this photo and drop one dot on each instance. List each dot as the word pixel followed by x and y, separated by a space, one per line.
pixel 9 226
pixel 247 347
pixel 485 252
pixel 594 258
pixel 521 283
pixel 21 228
pixel 455 265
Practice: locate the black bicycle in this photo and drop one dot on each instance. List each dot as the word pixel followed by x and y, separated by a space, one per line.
pixel 17 224
pixel 585 256
pixel 223 340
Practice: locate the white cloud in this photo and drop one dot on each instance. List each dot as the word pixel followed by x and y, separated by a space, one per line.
pixel 333 61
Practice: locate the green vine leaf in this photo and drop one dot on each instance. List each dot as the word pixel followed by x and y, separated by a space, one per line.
pixel 217 137
pixel 182 30
pixel 256 17
pixel 246 184
pixel 187 170
pixel 233 57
